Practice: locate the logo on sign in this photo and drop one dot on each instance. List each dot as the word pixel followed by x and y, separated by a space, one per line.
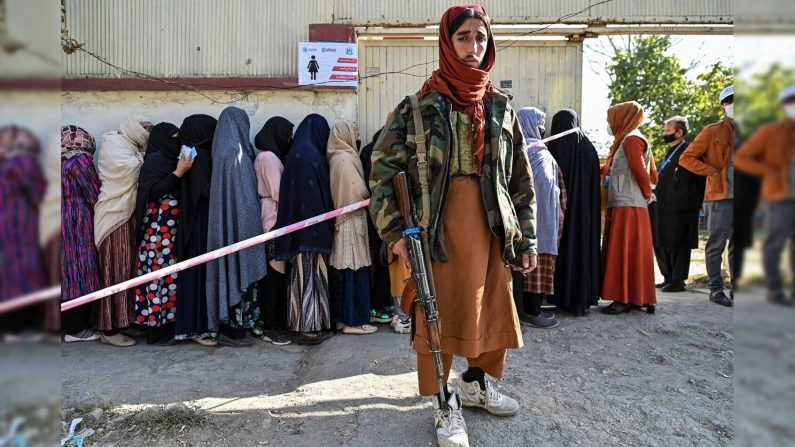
pixel 349 51
pixel 329 50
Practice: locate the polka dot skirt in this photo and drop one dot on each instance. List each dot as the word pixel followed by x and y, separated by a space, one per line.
pixel 155 302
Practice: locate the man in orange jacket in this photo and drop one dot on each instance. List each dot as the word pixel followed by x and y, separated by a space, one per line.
pixel 710 155
pixel 769 154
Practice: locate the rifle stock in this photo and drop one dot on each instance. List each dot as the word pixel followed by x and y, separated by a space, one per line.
pixel 401 186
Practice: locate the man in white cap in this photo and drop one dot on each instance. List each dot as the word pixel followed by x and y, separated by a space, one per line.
pixel 769 154
pixel 711 155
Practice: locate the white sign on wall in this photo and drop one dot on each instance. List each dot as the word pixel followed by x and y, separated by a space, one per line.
pixel 332 64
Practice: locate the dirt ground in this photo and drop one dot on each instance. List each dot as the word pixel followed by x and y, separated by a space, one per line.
pixel 636 379
pixel 631 380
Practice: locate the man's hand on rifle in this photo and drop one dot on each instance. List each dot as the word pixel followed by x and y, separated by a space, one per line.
pixel 401 249
pixel 525 264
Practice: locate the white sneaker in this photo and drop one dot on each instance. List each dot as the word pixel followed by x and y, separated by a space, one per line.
pixel 451 430
pixel 401 326
pixel 489 399
pixel 84 335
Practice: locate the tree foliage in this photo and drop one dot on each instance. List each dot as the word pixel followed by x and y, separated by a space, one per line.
pixel 643 71
pixel 757 96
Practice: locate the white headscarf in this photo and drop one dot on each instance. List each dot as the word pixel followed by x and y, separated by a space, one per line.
pixel 119 161
pixel 50 209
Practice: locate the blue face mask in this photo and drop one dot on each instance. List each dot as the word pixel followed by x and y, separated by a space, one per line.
pixel 609 130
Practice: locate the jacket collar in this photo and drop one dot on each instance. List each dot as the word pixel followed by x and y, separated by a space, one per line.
pixel 444 106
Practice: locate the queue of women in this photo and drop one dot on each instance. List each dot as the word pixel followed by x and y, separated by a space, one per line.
pixel 157 194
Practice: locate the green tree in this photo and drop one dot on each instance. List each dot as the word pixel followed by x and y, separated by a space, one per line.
pixel 703 107
pixel 644 71
pixel 757 96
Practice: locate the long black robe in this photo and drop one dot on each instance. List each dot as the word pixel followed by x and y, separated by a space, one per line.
pixel 746 199
pixel 196 131
pixel 577 274
pixel 380 290
pixel 674 217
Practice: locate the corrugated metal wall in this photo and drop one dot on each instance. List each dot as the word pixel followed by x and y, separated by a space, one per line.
pixel 543 74
pixel 192 38
pixel 665 11
pixel 375 13
pixel 256 38
pixel 34 23
pixel 427 12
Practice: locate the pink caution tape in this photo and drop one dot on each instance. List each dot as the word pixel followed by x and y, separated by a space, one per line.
pixel 215 254
pixel 30 299
pixel 553 137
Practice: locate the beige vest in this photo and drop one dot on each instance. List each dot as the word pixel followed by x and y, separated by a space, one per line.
pixel 622 189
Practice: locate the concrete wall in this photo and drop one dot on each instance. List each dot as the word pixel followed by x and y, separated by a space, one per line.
pixel 100 112
pixel 37 111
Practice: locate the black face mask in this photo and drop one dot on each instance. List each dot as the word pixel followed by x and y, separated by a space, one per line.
pixel 542 132
pixel 668 138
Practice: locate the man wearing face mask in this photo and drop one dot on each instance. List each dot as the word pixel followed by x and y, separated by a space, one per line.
pixel 674 216
pixel 769 154
pixel 710 155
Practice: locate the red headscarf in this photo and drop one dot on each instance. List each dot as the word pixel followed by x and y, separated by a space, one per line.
pixel 464 85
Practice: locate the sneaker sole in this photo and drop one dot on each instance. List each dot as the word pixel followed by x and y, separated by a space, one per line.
pixel 557 323
pixel 70 339
pixel 380 320
pixel 492 411
pixel 276 343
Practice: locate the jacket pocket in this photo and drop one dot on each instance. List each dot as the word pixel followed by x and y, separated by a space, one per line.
pixel 715 184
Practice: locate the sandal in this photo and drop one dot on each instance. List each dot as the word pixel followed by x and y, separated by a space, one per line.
pixel 360 330
pixel 118 340
pixel 205 341
pixel 616 308
pixel 384 315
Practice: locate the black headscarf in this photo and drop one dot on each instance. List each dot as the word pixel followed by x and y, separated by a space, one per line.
pixel 366 156
pixel 578 251
pixel 275 137
pixel 162 153
pixel 305 191
pixel 197 132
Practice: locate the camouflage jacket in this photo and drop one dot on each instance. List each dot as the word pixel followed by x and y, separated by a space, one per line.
pixel 506 179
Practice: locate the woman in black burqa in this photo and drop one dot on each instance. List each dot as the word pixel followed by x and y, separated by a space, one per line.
pixel 577 275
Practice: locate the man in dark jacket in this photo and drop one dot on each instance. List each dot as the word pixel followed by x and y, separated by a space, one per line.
pixel 675 215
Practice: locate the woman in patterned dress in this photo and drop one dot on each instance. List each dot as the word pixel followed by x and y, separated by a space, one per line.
pixel 157 208
pixel 79 261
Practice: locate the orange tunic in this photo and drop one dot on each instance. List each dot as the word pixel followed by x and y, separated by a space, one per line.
pixel 474 291
pixel 627 250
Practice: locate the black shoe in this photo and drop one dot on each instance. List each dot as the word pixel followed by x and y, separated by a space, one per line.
pixel 259 328
pixel 780 298
pixel 313 338
pixel 225 340
pixel 308 339
pixel 616 308
pixel 275 337
pixel 649 308
pixel 718 297
pixel 548 315
pixel 674 287
pixel 662 284
pixel 540 321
